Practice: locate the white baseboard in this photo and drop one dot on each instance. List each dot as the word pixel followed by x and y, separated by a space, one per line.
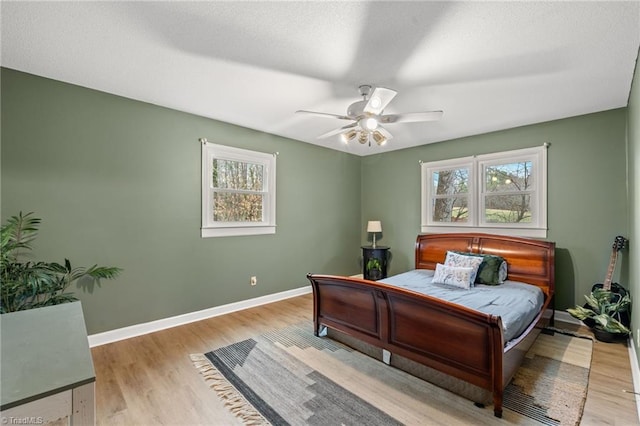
pixel 150 327
pixel 635 372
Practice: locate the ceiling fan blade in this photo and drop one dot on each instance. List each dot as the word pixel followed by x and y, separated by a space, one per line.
pixel 338 131
pixel 324 114
pixel 379 100
pixel 412 117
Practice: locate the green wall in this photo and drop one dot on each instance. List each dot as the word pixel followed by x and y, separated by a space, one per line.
pixel 587 201
pixel 117 182
pixel 633 141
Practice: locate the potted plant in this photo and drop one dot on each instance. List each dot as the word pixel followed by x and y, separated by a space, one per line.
pixel 32 284
pixel 602 313
pixel 374 269
pixel 607 309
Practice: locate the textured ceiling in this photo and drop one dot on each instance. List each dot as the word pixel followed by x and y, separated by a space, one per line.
pixel 487 65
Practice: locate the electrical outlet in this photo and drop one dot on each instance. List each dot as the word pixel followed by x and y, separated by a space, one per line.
pixel 254 280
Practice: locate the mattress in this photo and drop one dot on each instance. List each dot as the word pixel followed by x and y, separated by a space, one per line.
pixel 516 303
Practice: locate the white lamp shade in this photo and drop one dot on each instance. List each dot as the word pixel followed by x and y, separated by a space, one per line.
pixel 374 226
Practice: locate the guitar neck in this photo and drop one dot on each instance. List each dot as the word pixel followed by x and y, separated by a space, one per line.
pixel 606 285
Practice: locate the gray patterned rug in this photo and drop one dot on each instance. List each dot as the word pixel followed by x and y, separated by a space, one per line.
pixel 291 377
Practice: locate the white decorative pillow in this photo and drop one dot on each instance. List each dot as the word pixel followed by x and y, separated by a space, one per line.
pixel 502 272
pixel 453 275
pixel 462 261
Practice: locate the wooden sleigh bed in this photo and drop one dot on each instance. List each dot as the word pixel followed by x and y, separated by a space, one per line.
pixel 447 339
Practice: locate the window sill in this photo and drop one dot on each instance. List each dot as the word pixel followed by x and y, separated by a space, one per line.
pixel 236 231
pixel 518 232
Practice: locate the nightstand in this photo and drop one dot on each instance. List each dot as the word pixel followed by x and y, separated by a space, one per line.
pixel 374 262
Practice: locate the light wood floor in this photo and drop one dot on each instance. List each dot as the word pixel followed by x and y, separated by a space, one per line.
pixel 151 380
pixel 610 373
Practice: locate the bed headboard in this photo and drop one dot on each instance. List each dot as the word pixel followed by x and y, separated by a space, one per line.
pixel 528 260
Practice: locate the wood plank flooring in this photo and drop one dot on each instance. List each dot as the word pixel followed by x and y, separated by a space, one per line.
pixel 610 374
pixel 151 380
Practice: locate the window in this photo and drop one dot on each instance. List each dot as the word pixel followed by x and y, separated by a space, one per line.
pixel 238 191
pixel 504 193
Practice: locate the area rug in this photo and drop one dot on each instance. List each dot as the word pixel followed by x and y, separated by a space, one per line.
pixel 291 377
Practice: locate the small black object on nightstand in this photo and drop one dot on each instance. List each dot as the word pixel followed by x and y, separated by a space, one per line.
pixel 374 262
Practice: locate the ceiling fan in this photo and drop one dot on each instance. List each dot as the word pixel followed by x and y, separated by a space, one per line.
pixel 367 116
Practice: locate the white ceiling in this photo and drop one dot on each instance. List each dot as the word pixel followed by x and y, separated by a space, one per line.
pixel 487 65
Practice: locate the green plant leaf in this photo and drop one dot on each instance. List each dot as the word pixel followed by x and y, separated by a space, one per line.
pixel 373 264
pixel 603 305
pixel 27 284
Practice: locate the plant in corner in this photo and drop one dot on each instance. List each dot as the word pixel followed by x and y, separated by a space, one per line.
pixel 602 310
pixel 608 305
pixel 32 284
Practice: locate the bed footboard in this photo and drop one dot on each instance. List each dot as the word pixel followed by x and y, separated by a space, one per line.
pixel 457 341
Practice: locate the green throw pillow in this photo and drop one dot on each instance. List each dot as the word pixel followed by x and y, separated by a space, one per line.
pixel 489 269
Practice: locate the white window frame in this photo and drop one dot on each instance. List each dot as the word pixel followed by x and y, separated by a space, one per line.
pixel 537 228
pixel 211 228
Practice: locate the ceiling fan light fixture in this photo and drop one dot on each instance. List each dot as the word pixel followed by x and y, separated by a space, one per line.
pixel 363 137
pixel 348 136
pixel 368 123
pixel 379 138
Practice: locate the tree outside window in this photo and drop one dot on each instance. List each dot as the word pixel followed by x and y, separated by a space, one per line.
pixel 507 195
pixel 451 189
pixel 238 191
pixel 504 192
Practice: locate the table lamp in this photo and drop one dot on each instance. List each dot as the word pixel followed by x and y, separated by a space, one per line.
pixel 374 226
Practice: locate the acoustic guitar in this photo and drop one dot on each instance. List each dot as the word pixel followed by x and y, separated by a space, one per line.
pixel 617 291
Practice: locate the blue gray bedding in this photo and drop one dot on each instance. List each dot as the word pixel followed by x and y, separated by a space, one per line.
pixel 516 303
